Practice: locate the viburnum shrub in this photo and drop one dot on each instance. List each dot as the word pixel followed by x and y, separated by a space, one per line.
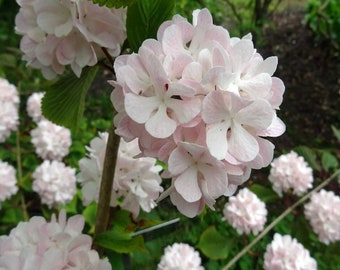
pixel 193 113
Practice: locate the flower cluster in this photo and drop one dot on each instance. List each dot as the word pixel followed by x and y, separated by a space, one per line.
pixel 8 181
pixel 54 182
pixel 33 106
pixel 136 183
pixel 323 213
pixel 9 104
pixel 54 245
pixel 180 256
pixel 245 212
pixel 285 253
pixel 290 171
pixel 59 33
pixel 202 102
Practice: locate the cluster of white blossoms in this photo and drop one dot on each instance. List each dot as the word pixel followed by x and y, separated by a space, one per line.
pixel 245 212
pixel 53 245
pixel 33 106
pixel 286 253
pixel 202 102
pixel 136 182
pixel 180 256
pixel 54 182
pixel 9 105
pixel 8 181
pixel 290 171
pixel 68 32
pixel 323 213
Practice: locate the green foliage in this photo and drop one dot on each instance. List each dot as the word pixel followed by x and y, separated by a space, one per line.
pixel 323 17
pixel 64 101
pixel 265 194
pixel 114 3
pixel 144 18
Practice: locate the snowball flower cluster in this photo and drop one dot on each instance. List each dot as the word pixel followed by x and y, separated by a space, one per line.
pixel 50 140
pixel 54 182
pixel 285 253
pixel 290 171
pixel 54 245
pixel 180 256
pixel 202 102
pixel 33 106
pixel 8 181
pixel 60 33
pixel 136 183
pixel 323 213
pixel 9 105
pixel 245 212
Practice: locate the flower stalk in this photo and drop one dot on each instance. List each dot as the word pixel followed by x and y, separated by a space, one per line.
pixel 279 218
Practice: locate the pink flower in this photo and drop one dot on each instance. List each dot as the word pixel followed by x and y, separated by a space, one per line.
pixel 245 212
pixel 290 171
pixel 54 245
pixel 61 33
pixel 8 181
pixel 50 140
pixel 33 106
pixel 9 104
pixel 285 253
pixel 180 256
pixel 323 214
pixel 54 182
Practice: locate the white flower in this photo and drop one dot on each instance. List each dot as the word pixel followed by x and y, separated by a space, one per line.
pixel 54 245
pixel 8 181
pixel 50 140
pixel 245 212
pixel 54 182
pixel 290 171
pixel 323 213
pixel 180 256
pixel 136 183
pixel 285 253
pixel 9 103
pixel 33 106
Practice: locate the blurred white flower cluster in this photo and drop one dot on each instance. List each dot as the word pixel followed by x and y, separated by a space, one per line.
pixel 323 213
pixel 136 182
pixel 58 244
pixel 60 33
pixel 180 256
pixel 9 103
pixel 286 253
pixel 8 181
pixel 290 171
pixel 246 212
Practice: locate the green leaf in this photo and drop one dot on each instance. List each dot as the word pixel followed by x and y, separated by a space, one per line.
pixel 89 214
pixel 336 132
pixel 309 155
pixel 144 18
pixel 8 60
pixel 64 101
pixel 214 245
pixel 114 3
pixel 120 241
pixel 265 194
pixel 328 161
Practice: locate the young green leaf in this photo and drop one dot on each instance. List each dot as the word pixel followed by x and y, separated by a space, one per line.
pixel 328 161
pixel 64 101
pixel 143 19
pixel 266 195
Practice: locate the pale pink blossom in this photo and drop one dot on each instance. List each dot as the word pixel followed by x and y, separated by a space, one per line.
pixel 180 256
pixel 61 33
pixel 54 182
pixel 50 140
pixel 290 171
pixel 245 212
pixel 136 182
pixel 323 214
pixel 33 106
pixel 55 245
pixel 9 105
pixel 8 181
pixel 286 253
